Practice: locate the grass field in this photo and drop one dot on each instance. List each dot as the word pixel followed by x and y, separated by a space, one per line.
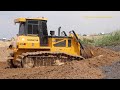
pixel 102 40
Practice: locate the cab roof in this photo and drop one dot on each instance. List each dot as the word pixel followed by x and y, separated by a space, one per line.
pixel 18 20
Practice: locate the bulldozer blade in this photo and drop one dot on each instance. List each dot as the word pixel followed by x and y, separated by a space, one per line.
pixel 87 52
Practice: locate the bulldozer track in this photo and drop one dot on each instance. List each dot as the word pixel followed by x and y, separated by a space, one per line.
pixel 44 58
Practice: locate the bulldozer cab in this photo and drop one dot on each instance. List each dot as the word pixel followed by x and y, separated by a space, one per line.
pixel 34 27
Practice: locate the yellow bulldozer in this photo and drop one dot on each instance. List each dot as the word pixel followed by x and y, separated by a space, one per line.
pixel 33 47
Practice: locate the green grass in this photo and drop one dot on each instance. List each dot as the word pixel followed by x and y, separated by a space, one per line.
pixel 87 41
pixel 108 40
pixel 105 40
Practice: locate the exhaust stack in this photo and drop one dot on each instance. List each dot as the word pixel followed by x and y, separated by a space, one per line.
pixel 59 31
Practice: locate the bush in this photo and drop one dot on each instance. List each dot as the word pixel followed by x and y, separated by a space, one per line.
pixel 111 39
pixel 87 41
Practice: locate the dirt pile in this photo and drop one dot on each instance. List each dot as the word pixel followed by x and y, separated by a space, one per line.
pixel 73 70
pixel 4 43
pixel 4 53
pixel 103 57
pixel 85 69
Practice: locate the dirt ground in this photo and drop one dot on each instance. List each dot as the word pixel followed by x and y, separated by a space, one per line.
pixel 112 71
pixel 114 48
pixel 92 68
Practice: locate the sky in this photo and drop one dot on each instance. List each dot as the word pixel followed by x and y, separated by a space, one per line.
pixel 82 22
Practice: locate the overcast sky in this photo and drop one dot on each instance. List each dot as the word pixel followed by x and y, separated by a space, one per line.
pixel 83 22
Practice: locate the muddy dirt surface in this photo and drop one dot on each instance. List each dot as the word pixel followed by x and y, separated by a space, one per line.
pixel 85 69
pixel 70 71
pixel 112 71
pixel 115 48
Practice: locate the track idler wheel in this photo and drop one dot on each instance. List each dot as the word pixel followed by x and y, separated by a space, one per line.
pixel 10 63
pixel 27 62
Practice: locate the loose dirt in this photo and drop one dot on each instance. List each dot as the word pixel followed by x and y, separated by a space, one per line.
pixel 84 69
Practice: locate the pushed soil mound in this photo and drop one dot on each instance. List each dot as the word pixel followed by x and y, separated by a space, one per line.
pixel 84 69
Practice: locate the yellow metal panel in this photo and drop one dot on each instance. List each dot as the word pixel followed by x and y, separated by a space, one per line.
pixel 18 20
pixel 33 42
pixel 37 18
pixel 74 49
pixel 28 42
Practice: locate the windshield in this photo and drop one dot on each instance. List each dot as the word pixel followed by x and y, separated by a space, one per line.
pixel 22 29
pixel 33 27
